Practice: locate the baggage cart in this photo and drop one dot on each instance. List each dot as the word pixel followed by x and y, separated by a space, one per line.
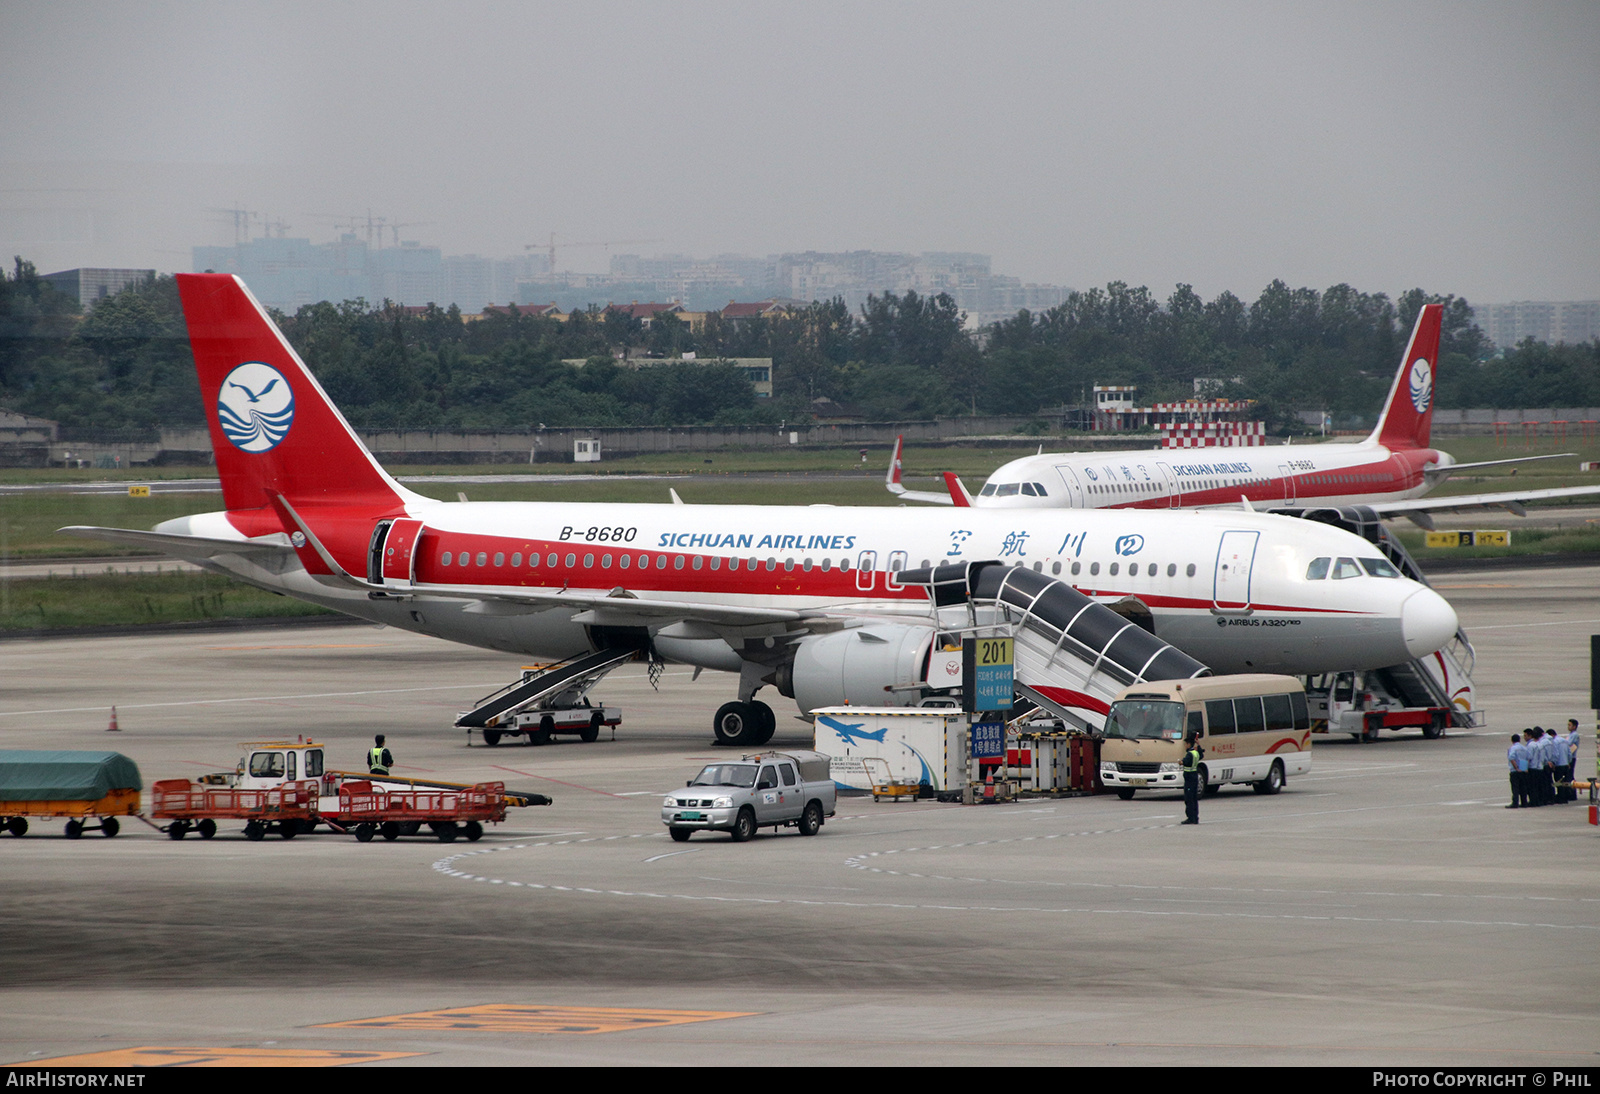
pixel 90 789
pixel 371 810
pixel 288 809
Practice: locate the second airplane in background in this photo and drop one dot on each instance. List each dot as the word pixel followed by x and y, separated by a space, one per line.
pixel 1389 471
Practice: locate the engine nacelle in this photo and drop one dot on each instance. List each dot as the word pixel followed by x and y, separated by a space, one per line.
pixel 856 666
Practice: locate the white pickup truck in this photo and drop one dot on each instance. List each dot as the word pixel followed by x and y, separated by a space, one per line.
pixel 776 789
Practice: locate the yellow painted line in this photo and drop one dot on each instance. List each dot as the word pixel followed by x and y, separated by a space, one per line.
pixel 158 1056
pixel 534 1018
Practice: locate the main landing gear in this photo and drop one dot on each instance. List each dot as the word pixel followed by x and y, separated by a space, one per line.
pixel 744 724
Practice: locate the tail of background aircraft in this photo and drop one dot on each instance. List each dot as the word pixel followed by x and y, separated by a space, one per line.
pixel 1407 419
pixel 273 429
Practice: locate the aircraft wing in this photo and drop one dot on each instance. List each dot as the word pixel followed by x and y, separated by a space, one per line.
pixel 1437 474
pixel 1417 510
pixel 891 481
pixel 619 608
pixel 190 548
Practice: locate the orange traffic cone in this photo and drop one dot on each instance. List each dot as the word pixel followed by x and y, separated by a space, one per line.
pixel 112 728
pixel 988 786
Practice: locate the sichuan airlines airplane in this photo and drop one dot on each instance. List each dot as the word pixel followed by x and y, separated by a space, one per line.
pixel 1388 472
pixel 807 599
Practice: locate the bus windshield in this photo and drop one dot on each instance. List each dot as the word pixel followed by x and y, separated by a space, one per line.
pixel 1145 719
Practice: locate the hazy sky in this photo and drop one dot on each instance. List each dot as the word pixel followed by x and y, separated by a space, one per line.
pixel 1452 146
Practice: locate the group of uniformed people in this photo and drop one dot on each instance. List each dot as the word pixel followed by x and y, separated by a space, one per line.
pixel 1537 760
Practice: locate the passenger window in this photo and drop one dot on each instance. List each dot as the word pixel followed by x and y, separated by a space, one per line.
pixel 1302 716
pixel 1318 569
pixel 1197 724
pixel 897 562
pixel 1280 716
pixel 1094 569
pixel 1247 715
pixel 1219 717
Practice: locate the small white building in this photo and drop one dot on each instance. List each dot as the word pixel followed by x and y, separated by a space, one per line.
pixel 586 450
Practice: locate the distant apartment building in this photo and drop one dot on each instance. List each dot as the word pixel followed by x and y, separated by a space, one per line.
pixel 1569 321
pixel 89 284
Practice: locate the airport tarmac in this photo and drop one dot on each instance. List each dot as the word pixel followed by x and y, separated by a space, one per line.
pixel 1383 911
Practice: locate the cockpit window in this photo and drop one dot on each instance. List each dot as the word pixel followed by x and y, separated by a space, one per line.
pixel 1318 569
pixel 1027 489
pixel 1379 567
pixel 1345 567
pixel 1009 489
pixel 988 490
pixel 1038 488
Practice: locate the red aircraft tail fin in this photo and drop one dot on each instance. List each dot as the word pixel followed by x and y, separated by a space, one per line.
pixel 1407 418
pixel 273 429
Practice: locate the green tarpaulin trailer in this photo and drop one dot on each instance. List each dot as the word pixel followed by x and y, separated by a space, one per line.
pixel 81 786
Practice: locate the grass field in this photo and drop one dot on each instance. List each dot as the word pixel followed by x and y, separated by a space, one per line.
pixel 106 599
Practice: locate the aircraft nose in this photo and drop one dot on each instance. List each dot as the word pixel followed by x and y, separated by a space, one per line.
pixel 1427 622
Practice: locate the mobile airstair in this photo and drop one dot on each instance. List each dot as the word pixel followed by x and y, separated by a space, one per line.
pixel 1441 680
pixel 548 693
pixel 1073 654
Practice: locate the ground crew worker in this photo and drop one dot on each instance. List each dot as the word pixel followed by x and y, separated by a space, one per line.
pixel 1191 780
pixel 379 758
pixel 1517 765
pixel 1573 743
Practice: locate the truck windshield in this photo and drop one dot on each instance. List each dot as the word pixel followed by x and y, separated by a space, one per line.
pixel 1144 718
pixel 726 775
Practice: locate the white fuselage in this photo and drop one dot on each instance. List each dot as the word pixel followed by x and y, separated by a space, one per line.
pixel 1229 588
pixel 1319 474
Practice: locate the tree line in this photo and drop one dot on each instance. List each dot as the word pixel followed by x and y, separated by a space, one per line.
pixel 124 364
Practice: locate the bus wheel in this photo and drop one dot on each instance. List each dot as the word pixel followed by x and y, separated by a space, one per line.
pixel 1273 782
pixel 1125 793
pixel 1207 787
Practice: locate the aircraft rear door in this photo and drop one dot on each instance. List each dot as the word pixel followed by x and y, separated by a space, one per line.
pixel 1074 487
pixel 1170 481
pixel 1288 482
pixel 1230 591
pixel 400 552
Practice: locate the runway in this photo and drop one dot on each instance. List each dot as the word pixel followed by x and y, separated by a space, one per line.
pixel 1383 911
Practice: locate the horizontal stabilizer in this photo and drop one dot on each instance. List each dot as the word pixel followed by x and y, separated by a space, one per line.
pixel 179 546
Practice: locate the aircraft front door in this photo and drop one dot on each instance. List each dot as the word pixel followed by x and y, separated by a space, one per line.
pixel 1288 482
pixel 1074 487
pixel 1169 482
pixel 1230 591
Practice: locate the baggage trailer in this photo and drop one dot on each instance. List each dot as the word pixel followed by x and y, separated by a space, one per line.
pixel 288 809
pixel 372 809
pixel 90 789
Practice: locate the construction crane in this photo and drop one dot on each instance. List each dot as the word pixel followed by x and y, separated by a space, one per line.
pixel 551 246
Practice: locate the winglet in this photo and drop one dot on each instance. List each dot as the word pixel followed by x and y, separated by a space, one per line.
pixel 958 490
pixel 892 479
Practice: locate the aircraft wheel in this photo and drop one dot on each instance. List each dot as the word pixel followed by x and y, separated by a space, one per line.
pixel 207 828
pixel 737 724
pixel 767 722
pixel 1125 793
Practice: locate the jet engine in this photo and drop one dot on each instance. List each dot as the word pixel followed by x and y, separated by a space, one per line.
pixel 874 665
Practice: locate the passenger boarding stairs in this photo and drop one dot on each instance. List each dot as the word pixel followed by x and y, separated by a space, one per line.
pixel 1441 679
pixel 534 687
pixel 1073 654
